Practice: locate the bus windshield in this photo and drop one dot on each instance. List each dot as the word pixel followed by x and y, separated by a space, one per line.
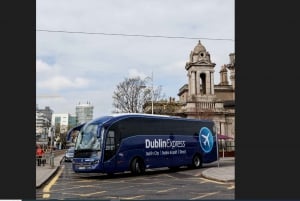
pixel 87 138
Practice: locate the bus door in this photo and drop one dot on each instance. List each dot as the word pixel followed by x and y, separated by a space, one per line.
pixel 110 151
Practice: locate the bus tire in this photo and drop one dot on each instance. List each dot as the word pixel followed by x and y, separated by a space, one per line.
pixel 197 161
pixel 137 166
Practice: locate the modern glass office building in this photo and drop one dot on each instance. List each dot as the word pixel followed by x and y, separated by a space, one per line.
pixel 84 112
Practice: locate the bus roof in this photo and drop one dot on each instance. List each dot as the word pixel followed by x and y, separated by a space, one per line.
pixel 119 116
pixel 138 114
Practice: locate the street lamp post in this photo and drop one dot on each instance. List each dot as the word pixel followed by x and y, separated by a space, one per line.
pixel 51 147
pixel 152 96
pixel 152 91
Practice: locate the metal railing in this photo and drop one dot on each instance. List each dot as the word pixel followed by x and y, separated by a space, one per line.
pixel 47 158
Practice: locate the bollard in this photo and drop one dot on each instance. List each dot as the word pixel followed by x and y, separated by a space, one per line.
pixel 52 160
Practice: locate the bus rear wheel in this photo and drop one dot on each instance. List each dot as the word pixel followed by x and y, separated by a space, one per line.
pixel 197 161
pixel 137 166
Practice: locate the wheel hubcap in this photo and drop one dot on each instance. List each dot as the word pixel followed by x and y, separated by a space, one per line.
pixel 196 161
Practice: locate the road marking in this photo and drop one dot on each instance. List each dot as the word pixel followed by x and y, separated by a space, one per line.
pixel 169 176
pixel 85 186
pixel 212 181
pixel 113 198
pixel 202 196
pixel 47 188
pixel 86 194
pixel 83 181
pixel 163 191
pixel 132 198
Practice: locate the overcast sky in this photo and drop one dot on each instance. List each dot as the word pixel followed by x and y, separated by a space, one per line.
pixel 87 66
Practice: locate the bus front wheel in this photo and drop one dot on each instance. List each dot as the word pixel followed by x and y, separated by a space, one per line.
pixel 197 161
pixel 137 166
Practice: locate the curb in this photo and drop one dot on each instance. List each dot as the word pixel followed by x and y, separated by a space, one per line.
pixel 216 179
pixel 47 179
pixel 53 172
pixel 217 174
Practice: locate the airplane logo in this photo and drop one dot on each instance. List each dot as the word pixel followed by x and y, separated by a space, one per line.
pixel 206 139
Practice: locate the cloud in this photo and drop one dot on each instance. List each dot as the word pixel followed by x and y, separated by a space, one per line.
pixel 61 83
pixel 135 73
pixel 88 67
pixel 42 67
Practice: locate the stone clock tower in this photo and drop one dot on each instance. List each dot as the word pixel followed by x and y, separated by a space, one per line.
pixel 202 99
pixel 200 74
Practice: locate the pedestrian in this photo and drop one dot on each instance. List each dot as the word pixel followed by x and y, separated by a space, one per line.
pixel 39 155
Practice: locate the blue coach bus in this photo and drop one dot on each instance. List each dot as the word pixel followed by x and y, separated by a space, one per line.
pixel 136 142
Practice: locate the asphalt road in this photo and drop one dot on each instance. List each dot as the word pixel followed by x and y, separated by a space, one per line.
pixel 186 184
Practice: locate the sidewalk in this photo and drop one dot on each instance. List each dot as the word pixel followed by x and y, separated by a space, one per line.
pixel 44 173
pixel 224 172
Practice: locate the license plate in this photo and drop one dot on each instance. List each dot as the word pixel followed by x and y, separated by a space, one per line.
pixel 81 168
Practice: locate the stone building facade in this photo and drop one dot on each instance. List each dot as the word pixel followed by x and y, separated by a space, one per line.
pixel 202 99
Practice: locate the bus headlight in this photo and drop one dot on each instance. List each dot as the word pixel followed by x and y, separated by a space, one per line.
pixel 95 162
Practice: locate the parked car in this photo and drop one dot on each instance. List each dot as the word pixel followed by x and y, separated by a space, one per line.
pixel 69 154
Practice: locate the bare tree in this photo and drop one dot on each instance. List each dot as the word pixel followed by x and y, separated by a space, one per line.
pixel 126 98
pixel 131 94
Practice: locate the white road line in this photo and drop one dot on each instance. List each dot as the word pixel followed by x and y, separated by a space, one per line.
pixel 205 195
pixel 212 181
pixel 86 194
pixel 167 190
pixel 131 198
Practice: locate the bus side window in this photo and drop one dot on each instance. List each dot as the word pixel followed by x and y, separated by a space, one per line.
pixel 110 141
pixel 110 145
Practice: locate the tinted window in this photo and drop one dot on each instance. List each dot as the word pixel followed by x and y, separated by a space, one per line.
pixel 151 126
